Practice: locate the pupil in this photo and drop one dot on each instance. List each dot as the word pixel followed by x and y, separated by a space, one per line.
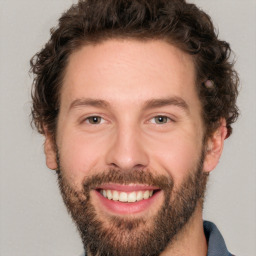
pixel 161 119
pixel 94 120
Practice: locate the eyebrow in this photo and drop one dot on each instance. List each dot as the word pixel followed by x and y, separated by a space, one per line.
pixel 175 101
pixel 89 102
pixel 152 103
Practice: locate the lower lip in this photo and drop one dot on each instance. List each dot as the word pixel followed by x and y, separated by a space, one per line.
pixel 118 207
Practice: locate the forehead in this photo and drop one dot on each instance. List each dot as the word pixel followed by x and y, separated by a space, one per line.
pixel 129 71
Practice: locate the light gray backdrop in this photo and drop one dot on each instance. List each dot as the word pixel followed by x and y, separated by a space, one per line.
pixel 33 219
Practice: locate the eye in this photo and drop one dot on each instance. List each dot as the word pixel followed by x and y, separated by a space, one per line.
pixel 160 120
pixel 94 120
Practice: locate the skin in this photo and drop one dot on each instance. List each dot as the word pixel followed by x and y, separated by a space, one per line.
pixel 128 75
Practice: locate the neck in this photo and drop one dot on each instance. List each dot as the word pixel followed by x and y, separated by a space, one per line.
pixel 191 240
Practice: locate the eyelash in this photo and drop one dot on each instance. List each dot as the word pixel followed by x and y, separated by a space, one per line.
pixel 90 118
pixel 95 120
pixel 165 119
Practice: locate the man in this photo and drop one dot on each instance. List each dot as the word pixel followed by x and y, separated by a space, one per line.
pixel 135 99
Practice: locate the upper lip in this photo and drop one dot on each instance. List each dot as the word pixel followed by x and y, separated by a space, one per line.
pixel 126 188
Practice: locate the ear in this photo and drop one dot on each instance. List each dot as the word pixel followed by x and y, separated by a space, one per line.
pixel 50 151
pixel 214 147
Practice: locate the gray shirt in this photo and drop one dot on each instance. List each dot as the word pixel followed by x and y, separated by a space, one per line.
pixel 216 243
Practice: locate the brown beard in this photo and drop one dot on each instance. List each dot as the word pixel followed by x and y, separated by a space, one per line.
pixel 119 236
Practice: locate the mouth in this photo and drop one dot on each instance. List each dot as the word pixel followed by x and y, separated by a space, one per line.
pixel 127 199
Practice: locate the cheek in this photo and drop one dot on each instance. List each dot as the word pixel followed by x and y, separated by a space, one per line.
pixel 177 156
pixel 79 156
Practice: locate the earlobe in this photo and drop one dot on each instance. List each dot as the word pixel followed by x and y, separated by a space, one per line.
pixel 50 151
pixel 214 147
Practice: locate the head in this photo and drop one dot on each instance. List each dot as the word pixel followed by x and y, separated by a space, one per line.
pixel 134 98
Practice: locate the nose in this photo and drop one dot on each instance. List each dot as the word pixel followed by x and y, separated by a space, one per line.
pixel 127 150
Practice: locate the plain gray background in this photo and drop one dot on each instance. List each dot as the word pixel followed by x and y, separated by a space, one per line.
pixel 33 219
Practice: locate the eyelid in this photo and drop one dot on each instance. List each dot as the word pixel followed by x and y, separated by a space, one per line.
pixel 85 119
pixel 165 117
pixel 170 118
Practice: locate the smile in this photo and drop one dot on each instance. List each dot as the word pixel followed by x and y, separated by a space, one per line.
pixel 130 197
pixel 127 199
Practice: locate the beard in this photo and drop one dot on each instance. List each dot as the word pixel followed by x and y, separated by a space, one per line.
pixel 130 235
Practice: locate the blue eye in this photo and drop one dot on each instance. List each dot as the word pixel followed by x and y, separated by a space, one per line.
pixel 160 119
pixel 94 120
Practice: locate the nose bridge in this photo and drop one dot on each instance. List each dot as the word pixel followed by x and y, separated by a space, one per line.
pixel 127 150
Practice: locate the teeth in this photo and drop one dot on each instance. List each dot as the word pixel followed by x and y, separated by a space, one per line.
pixel 130 197
pixel 115 195
pixel 146 194
pixel 109 195
pixel 123 197
pixel 139 196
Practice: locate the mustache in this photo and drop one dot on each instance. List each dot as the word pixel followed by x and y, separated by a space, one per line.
pixel 117 176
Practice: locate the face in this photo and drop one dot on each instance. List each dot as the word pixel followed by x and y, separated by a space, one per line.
pixel 129 144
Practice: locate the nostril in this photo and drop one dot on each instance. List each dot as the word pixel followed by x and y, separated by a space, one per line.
pixel 127 168
pixel 113 165
pixel 139 166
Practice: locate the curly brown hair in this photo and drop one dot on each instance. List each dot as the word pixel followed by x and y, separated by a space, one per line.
pixel 180 23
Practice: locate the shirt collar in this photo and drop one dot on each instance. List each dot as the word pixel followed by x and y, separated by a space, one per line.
pixel 216 243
